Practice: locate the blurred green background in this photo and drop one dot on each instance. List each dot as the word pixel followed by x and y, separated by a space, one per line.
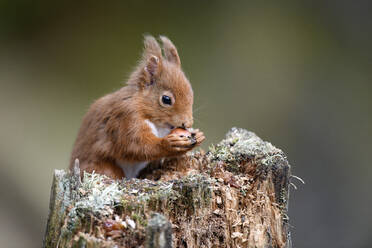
pixel 298 73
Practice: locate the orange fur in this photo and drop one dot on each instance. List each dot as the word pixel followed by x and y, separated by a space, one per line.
pixel 115 126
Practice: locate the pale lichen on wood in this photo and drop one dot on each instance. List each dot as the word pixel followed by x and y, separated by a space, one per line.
pixel 235 195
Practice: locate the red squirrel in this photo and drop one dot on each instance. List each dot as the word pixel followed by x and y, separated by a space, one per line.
pixel 125 130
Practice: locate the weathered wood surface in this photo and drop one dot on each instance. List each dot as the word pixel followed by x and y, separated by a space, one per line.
pixel 235 195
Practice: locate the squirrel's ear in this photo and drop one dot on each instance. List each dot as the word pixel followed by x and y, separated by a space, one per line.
pixel 152 47
pixel 170 51
pixel 152 59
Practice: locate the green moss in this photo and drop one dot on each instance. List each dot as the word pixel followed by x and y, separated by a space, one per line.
pixel 232 167
pixel 195 192
pixel 189 193
pixel 139 219
pixel 241 146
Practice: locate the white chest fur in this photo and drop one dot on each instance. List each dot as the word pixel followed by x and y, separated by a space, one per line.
pixel 159 132
pixel 131 169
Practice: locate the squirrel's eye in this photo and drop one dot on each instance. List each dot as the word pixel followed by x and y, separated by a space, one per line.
pixel 166 100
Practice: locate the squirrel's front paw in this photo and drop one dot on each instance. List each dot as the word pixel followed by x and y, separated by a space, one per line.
pixel 178 143
pixel 197 136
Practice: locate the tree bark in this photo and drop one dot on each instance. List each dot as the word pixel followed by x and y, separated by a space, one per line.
pixel 235 195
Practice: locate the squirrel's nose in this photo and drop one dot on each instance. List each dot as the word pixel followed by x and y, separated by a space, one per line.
pixel 187 124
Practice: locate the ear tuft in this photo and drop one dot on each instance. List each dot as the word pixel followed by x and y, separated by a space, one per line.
pixel 170 51
pixel 152 47
pixel 152 60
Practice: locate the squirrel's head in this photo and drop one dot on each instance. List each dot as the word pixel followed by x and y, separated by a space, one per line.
pixel 164 93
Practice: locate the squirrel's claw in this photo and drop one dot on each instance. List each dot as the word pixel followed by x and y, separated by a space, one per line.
pixel 199 137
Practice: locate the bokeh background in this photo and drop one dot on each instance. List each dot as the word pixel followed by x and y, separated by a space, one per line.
pixel 298 73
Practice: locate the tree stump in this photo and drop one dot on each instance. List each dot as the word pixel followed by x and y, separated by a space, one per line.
pixel 235 195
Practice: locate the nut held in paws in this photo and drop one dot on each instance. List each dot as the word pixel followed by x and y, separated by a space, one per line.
pixel 181 132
